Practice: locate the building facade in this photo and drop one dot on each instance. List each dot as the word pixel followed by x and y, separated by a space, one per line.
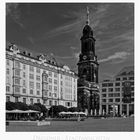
pixel 39 79
pixel 88 92
pixel 117 95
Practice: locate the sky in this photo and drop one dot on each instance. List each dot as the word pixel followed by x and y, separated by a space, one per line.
pixel 56 29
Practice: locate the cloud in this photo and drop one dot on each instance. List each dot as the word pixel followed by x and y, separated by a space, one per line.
pixel 80 19
pixel 31 40
pixel 64 57
pixel 97 14
pixel 73 48
pixel 128 35
pixel 12 10
pixel 117 55
pixel 62 30
pixel 108 75
pixel 74 56
pixel 123 41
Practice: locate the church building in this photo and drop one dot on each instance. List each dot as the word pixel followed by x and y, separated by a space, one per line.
pixel 88 89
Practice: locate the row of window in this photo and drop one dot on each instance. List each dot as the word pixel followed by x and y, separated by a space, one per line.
pixel 116 84
pixel 116 89
pixel 55 82
pixel 31 84
pixel 17 90
pixel 114 95
pixel 38 85
pixel 107 84
pixel 32 68
pixel 31 76
pixel 18 65
pixel 55 103
pixel 124 78
pixel 111 95
pixel 116 100
pixel 110 89
pixel 50 88
pixel 50 81
pixel 24 100
pixel 50 102
pixel 111 100
pixel 31 91
pixel 53 95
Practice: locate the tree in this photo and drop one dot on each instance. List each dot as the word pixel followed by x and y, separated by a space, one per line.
pixel 43 109
pixel 74 109
pixel 34 107
pixel 55 110
pixel 10 106
pixel 21 106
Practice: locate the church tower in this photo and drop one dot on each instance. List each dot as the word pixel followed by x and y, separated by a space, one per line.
pixel 88 65
pixel 88 71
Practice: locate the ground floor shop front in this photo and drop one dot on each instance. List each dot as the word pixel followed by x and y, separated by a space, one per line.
pixel 117 109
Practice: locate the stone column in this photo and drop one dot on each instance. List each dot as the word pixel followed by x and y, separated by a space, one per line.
pixel 127 110
pixel 91 112
pixel 106 109
pixel 100 109
pixel 120 109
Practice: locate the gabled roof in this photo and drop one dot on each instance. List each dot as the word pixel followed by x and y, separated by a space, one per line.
pixel 129 70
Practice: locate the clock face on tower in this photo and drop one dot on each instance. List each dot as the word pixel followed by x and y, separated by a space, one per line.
pixel 84 57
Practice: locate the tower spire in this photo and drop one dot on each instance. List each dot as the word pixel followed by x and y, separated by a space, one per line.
pixel 87 21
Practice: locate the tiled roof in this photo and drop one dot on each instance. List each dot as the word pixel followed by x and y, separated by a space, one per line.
pixel 49 58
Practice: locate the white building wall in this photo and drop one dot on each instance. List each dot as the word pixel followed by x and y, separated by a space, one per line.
pixel 9 79
pixel 67 88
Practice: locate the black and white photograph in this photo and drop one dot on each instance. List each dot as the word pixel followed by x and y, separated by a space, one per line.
pixel 69 67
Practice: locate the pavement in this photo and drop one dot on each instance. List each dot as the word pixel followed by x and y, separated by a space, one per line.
pixel 89 125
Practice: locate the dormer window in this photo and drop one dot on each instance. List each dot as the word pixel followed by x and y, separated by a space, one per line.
pixel 24 52
pixel 14 48
pixel 42 58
